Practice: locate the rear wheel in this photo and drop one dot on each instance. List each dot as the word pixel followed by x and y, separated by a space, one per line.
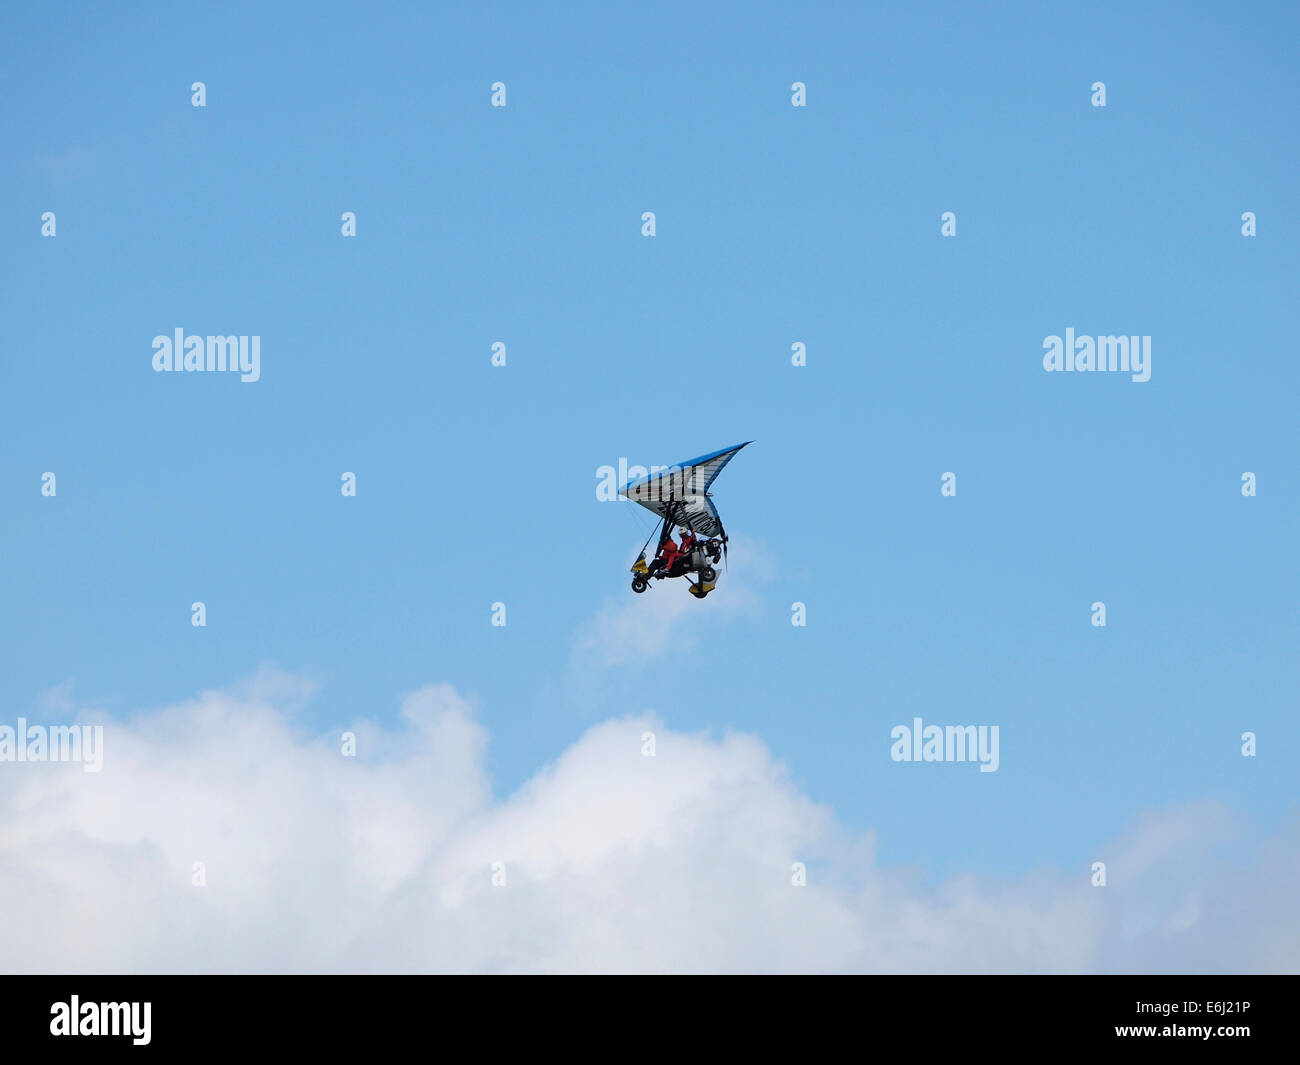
pixel 708 575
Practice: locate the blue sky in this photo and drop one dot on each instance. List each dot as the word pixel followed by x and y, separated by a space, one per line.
pixel 774 225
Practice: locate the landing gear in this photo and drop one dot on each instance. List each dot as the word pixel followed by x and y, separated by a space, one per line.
pixel 698 564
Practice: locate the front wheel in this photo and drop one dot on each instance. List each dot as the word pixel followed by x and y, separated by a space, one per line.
pixel 638 584
pixel 708 575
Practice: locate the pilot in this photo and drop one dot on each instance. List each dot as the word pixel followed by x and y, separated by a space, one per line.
pixel 667 556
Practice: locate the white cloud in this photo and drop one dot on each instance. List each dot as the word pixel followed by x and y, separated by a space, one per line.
pixel 613 862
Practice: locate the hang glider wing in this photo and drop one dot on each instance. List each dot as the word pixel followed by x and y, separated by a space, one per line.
pixel 680 493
